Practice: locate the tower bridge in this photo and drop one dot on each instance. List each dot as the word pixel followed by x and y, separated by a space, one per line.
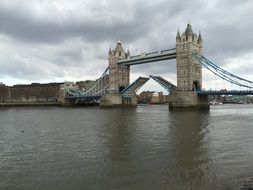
pixel 188 94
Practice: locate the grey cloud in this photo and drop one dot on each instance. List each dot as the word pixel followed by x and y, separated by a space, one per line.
pixel 20 24
pixel 74 42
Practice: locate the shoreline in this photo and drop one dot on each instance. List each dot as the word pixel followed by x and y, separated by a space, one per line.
pixel 58 104
pixel 16 104
pixel 41 104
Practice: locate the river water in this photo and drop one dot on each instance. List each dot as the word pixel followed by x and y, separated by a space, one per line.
pixel 53 148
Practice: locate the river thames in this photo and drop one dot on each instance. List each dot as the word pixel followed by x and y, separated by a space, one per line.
pixel 54 148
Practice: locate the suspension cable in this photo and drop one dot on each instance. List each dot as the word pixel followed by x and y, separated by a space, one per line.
pixel 225 75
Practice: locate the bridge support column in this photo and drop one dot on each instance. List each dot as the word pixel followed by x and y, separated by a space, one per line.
pixel 118 80
pixel 111 100
pixel 188 100
pixel 189 73
pixel 116 100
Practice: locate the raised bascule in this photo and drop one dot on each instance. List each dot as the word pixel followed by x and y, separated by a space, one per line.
pixel 114 89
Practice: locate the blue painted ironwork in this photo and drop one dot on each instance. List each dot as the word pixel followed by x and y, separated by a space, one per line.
pixel 126 99
pixel 92 94
pixel 134 87
pixel 164 83
pixel 225 75
pixel 71 92
pixel 83 97
pixel 74 97
pixel 83 100
pixel 99 87
pixel 149 57
pixel 225 92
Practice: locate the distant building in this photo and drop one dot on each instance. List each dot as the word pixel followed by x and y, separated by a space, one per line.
pixel 34 92
pixel 236 99
pixel 152 97
pixel 145 97
pixel 85 85
pixel 4 92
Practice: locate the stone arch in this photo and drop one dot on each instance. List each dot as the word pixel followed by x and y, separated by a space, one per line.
pixel 121 88
pixel 196 85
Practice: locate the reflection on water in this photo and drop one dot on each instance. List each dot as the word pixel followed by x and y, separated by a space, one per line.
pixel 119 124
pixel 144 148
pixel 189 133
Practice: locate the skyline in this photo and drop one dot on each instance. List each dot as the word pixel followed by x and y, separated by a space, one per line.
pixel 44 41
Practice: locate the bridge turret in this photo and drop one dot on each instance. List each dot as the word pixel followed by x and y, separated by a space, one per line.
pixel 178 38
pixel 200 39
pixel 189 71
pixel 110 51
pixel 119 51
pixel 128 53
pixel 118 74
pixel 189 33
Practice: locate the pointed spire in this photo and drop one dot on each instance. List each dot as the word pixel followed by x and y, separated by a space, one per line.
pixel 119 47
pixel 128 53
pixel 119 42
pixel 199 37
pixel 178 38
pixel 178 34
pixel 188 31
pixel 110 50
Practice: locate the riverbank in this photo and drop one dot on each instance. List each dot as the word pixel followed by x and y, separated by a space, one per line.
pixel 17 104
pixel 24 104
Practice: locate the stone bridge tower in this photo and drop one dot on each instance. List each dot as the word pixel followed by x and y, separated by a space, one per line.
pixel 189 71
pixel 118 74
pixel 118 79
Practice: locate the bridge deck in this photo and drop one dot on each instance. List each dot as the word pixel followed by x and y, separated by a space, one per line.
pixel 164 83
pixel 226 92
pixel 134 86
pixel 84 97
pixel 149 57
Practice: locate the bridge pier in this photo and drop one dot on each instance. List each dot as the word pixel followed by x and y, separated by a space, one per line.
pixel 118 80
pixel 188 100
pixel 189 73
pixel 117 100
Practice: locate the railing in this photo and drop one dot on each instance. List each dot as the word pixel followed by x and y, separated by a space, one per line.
pixel 225 92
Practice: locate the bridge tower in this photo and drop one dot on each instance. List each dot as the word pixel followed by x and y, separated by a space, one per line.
pixel 189 72
pixel 119 76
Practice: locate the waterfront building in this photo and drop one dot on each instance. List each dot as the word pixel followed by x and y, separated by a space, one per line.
pixel 35 92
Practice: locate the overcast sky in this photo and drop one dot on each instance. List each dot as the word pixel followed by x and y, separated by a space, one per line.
pixel 63 40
